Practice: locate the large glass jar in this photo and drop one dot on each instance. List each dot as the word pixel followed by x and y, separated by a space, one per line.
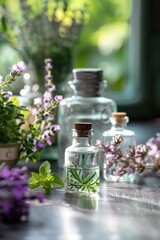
pixel 115 166
pixel 81 162
pixel 85 105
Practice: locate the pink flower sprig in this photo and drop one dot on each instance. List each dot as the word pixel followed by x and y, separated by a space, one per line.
pixel 134 160
pixel 16 71
pixel 45 111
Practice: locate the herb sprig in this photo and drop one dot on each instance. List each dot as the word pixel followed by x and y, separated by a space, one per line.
pixel 45 178
pixel 80 181
pixel 88 183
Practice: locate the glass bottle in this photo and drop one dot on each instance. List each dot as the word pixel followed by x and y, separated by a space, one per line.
pixel 81 161
pixel 86 105
pixel 119 122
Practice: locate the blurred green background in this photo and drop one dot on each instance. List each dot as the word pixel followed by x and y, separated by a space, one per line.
pixel 96 36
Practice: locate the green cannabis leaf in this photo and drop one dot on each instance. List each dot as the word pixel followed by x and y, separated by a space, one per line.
pixel 45 178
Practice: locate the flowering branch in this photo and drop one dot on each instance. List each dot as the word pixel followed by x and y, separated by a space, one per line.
pixel 136 158
pixel 16 70
pixel 44 111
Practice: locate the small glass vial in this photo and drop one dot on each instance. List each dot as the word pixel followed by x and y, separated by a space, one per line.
pixel 119 122
pixel 85 105
pixel 81 162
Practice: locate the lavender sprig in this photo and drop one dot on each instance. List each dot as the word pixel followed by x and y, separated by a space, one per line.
pixel 14 195
pixel 45 110
pixel 16 71
pixel 133 160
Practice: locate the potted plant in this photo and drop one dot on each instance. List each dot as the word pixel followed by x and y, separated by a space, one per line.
pixel 16 140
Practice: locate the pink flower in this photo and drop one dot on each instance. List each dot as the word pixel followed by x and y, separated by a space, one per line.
pixel 56 127
pixel 9 94
pixel 18 69
pixel 58 98
pixel 47 96
pixel 38 101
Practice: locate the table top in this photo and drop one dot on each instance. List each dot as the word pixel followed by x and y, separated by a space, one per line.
pixel 119 211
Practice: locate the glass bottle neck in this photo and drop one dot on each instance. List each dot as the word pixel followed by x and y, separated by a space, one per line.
pixel 88 89
pixel 82 140
pixel 119 126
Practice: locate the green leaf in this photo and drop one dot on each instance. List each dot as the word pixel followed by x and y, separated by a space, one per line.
pixel 34 185
pixel 35 176
pixel 45 178
pixel 57 179
pixel 42 172
pixel 50 178
pixel 46 166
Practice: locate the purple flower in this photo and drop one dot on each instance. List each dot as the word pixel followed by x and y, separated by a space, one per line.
pixel 48 60
pixel 40 145
pixel 48 141
pixel 38 101
pixel 46 133
pixel 56 127
pixel 5 172
pixel 9 94
pixel 153 145
pixel 14 195
pixel 48 77
pixel 46 105
pixel 34 111
pixel 129 170
pixel 34 149
pixel 47 96
pixel 58 98
pixel 18 69
pixel 51 87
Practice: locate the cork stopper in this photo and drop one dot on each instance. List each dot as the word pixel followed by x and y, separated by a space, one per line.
pixel 83 128
pixel 119 116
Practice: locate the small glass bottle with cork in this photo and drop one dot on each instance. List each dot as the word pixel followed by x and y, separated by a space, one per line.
pixel 81 161
pixel 119 129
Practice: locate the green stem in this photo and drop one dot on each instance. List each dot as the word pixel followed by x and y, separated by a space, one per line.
pixel 7 80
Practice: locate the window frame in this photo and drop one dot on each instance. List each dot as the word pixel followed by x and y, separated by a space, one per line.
pixel 140 98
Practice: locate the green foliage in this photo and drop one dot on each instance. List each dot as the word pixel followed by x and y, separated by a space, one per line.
pixel 39 29
pixel 88 183
pixel 45 178
pixel 54 28
pixel 103 40
pixel 14 128
pixel 11 119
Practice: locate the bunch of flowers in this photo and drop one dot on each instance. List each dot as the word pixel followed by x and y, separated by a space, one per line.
pixel 135 159
pixel 39 133
pixel 14 195
pixel 153 145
